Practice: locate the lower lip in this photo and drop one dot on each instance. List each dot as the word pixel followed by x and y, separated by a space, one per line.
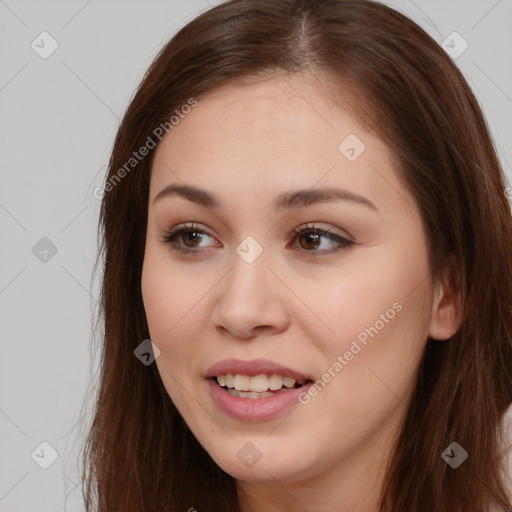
pixel 254 409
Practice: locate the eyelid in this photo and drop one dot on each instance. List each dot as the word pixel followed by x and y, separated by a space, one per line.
pixel 315 226
pixel 187 226
pixel 343 242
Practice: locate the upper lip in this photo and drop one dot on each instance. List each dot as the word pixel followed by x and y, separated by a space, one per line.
pixel 252 367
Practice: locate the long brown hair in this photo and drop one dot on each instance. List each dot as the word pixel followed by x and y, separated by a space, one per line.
pixel 140 455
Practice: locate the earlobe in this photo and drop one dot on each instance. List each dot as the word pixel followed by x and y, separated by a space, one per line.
pixel 445 318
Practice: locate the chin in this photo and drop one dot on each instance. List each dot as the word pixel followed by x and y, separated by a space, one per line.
pixel 259 460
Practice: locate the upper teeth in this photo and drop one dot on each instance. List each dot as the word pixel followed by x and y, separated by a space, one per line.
pixel 258 383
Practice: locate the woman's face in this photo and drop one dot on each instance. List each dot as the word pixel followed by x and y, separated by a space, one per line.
pixel 345 306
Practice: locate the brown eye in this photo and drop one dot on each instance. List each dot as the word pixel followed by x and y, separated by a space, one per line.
pixel 310 239
pixel 186 239
pixel 191 238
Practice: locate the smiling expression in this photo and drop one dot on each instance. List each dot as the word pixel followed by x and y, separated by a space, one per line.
pixel 270 249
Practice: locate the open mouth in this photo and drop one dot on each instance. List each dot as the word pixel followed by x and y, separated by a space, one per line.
pixel 257 386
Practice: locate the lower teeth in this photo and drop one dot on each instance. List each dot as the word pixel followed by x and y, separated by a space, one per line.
pixel 252 394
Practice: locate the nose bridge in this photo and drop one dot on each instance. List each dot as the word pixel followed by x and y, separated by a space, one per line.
pixel 249 298
pixel 247 279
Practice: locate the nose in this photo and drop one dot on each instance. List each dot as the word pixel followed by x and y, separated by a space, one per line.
pixel 250 301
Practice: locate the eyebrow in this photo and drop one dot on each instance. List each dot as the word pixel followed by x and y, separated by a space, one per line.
pixel 284 200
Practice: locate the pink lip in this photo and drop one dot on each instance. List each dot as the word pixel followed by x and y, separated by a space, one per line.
pixel 253 367
pixel 254 409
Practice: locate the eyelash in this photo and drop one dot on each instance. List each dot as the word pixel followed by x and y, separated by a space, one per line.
pixel 170 236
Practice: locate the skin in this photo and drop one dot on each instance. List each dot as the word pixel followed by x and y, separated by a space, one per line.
pixel 246 143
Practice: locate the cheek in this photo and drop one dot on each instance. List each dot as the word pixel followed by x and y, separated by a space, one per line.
pixel 168 306
pixel 170 295
pixel 378 317
pixel 164 304
pixel 176 314
pixel 368 301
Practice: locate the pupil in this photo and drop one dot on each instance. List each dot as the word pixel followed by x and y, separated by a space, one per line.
pixel 190 237
pixel 311 238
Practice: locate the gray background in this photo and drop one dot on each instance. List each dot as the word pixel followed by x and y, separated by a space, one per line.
pixel 58 120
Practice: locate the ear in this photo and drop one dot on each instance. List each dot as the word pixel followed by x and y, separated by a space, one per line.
pixel 446 314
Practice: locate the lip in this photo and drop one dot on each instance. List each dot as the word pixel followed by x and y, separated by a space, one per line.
pixel 254 367
pixel 254 409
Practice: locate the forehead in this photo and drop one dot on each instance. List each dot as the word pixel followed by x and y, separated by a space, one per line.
pixel 274 108
pixel 272 134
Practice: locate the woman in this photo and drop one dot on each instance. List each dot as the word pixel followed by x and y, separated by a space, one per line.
pixel 308 220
